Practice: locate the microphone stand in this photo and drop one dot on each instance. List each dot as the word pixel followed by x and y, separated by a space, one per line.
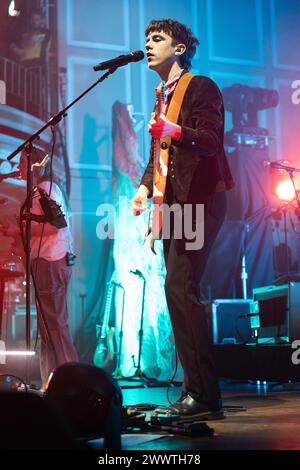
pixel 138 373
pixel 118 372
pixel 27 145
pixel 244 274
pixel 27 247
pixel 290 170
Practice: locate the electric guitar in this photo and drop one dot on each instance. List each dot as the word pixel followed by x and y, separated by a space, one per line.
pixel 105 354
pixel 159 173
pixel 52 210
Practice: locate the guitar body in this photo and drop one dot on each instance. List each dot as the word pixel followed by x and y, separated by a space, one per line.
pixel 105 354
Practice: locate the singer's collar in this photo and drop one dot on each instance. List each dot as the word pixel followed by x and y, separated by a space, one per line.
pixel 172 80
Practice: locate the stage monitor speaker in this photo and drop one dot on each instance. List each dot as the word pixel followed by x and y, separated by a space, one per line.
pixel 90 400
pixel 278 318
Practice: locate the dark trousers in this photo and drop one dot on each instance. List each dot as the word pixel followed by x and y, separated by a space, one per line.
pixel 52 279
pixel 185 269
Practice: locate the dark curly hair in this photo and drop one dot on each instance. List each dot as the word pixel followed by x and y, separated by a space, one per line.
pixel 180 33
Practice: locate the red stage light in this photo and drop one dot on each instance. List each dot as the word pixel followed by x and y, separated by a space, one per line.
pixel 284 190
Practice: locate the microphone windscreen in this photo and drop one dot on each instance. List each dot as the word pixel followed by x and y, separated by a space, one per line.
pixel 138 55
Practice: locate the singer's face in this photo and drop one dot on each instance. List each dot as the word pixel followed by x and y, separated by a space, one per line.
pixel 160 50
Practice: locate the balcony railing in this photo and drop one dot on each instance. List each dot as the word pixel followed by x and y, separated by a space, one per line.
pixel 26 87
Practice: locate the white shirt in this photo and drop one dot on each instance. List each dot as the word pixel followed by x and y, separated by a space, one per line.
pixel 53 247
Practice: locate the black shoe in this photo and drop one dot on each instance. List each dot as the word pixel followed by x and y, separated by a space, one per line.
pixel 180 399
pixel 190 409
pixel 171 409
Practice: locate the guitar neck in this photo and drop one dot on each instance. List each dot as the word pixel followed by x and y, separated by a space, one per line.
pixel 158 110
pixel 108 302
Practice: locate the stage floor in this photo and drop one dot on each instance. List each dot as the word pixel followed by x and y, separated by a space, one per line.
pixel 263 419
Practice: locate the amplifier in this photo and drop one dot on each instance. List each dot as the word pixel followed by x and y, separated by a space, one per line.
pixel 229 320
pixel 278 313
pixel 18 325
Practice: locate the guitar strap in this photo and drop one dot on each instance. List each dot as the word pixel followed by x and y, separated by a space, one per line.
pixel 160 167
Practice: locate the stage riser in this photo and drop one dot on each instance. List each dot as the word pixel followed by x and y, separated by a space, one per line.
pixel 270 363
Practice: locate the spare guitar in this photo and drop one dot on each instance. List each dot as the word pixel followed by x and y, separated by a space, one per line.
pixel 105 354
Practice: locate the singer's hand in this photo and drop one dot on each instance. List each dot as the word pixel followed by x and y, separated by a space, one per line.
pixel 139 200
pixel 162 127
pixel 158 196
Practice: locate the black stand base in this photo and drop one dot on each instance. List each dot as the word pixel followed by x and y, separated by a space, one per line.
pixel 140 380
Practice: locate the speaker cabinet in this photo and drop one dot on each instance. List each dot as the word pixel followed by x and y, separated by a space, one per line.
pixel 278 313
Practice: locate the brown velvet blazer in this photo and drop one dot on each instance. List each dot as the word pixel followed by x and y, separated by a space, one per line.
pixel 199 160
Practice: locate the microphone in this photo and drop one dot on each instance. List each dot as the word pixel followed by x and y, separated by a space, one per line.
pixel 119 61
pixel 12 174
pixel 118 284
pixel 281 166
pixel 137 273
pixel 276 165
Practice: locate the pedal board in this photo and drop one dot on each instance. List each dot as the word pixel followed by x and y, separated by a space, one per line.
pixel 172 424
pixel 132 418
